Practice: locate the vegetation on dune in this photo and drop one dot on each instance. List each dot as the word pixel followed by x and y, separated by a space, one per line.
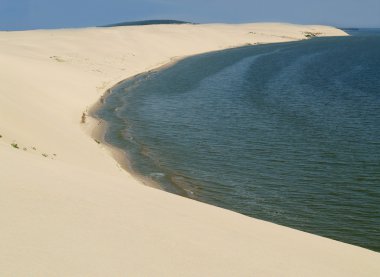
pixel 311 34
pixel 148 22
pixel 83 119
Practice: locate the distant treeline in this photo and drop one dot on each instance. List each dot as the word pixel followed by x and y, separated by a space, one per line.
pixel 147 22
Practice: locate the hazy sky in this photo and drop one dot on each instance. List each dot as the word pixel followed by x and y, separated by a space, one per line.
pixel 32 14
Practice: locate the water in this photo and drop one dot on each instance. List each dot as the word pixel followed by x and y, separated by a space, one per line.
pixel 288 133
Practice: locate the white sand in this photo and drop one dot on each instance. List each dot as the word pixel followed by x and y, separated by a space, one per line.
pixel 77 213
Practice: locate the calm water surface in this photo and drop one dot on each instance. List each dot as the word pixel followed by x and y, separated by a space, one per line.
pixel 288 133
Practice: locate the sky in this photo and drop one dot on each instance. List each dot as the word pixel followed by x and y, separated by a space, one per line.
pixel 47 14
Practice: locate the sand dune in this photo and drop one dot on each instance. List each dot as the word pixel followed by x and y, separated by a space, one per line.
pixel 68 209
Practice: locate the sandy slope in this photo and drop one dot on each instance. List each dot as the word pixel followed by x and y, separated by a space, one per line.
pixel 76 213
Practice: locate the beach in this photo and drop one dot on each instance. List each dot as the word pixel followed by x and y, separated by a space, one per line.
pixel 67 206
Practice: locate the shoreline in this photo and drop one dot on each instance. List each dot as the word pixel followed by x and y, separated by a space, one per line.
pixel 68 204
pixel 98 129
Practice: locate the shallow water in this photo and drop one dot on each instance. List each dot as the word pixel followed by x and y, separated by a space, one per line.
pixel 288 133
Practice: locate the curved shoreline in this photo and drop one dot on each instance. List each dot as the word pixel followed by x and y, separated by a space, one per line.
pixel 99 130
